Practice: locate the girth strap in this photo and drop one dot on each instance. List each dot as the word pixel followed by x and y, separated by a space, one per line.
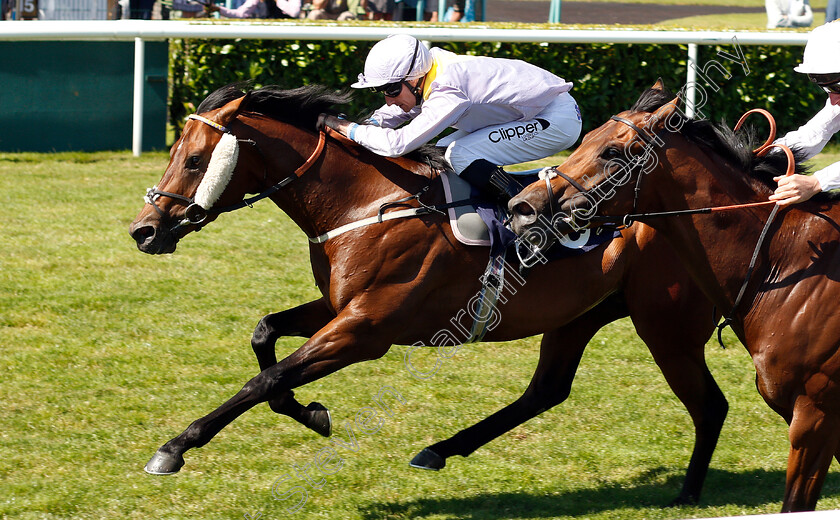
pixel 381 217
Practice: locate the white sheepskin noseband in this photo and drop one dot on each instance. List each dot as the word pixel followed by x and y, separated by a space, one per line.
pixel 219 171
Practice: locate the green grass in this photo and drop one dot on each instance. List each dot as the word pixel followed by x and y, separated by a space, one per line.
pixel 107 353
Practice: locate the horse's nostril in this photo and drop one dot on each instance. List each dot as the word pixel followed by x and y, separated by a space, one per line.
pixel 524 209
pixel 143 234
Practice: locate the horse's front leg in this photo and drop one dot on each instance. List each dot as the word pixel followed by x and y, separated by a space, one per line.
pixel 814 439
pixel 347 339
pixel 674 319
pixel 560 354
pixel 304 320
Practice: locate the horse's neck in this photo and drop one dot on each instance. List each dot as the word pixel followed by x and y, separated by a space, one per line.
pixel 346 183
pixel 797 264
pixel 716 247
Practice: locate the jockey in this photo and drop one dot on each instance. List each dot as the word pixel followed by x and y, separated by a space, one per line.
pixel 821 62
pixel 504 111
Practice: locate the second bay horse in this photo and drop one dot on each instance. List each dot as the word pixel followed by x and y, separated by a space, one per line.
pixel 783 308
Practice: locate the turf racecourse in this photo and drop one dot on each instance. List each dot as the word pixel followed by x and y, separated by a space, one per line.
pixel 107 353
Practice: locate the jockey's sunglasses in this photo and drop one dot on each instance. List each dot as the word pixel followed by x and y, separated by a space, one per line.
pixel 394 89
pixel 390 89
pixel 830 83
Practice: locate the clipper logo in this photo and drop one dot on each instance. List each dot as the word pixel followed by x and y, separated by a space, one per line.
pixel 524 132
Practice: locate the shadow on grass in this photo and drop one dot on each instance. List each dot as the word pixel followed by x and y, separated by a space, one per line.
pixel 722 488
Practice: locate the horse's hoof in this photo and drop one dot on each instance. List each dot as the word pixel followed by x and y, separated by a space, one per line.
pixel 682 500
pixel 427 459
pixel 319 419
pixel 163 463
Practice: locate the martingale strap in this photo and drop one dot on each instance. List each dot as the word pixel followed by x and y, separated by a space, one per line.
pixel 727 320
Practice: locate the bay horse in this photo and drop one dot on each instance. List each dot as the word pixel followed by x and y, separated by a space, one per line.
pixel 399 281
pixel 782 309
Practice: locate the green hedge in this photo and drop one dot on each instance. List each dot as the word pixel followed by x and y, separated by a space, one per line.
pixel 608 77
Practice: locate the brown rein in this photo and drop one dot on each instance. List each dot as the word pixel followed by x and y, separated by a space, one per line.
pixel 316 153
pixel 197 216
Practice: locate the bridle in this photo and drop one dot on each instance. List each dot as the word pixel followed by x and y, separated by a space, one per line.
pixel 532 255
pixel 196 215
pixel 636 164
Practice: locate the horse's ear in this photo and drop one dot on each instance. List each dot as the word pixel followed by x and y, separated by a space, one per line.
pixel 666 112
pixel 229 112
pixel 659 85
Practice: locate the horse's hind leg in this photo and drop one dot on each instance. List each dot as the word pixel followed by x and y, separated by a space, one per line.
pixel 303 320
pixel 560 353
pixel 814 439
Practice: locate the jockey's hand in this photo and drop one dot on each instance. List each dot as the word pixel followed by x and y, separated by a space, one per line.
pixel 321 122
pixel 795 188
pixel 210 8
pixel 339 125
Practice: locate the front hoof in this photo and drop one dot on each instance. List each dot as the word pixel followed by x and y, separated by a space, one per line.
pixel 319 419
pixel 427 459
pixel 163 463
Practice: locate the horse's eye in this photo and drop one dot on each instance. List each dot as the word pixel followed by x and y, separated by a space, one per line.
pixel 193 161
pixel 611 152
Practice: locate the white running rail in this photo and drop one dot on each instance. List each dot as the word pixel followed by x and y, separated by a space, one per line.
pixel 140 31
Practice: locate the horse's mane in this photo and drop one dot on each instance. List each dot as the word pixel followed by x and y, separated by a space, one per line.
pixel 300 107
pixel 736 148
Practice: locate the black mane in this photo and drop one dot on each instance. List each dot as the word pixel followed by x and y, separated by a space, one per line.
pixel 736 148
pixel 299 107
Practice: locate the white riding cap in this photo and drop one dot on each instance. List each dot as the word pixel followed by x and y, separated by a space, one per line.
pixel 396 58
pixel 822 52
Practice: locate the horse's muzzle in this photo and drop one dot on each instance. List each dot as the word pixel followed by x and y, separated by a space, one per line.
pixel 152 238
pixel 539 222
pixel 523 213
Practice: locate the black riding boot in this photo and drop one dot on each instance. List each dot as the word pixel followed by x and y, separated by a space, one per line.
pixel 491 180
